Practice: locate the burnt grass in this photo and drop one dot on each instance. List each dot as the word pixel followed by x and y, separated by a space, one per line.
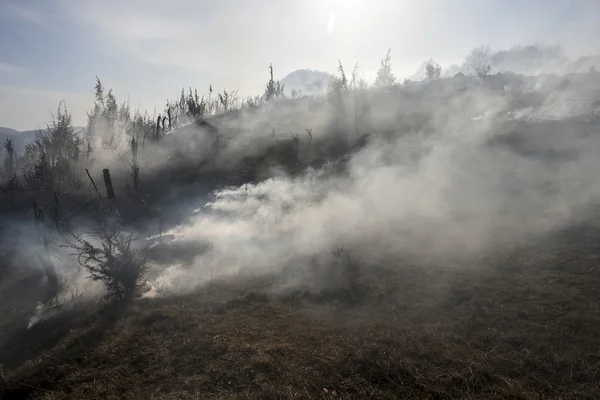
pixel 521 324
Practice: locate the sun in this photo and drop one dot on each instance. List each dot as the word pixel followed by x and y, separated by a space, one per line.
pixel 343 10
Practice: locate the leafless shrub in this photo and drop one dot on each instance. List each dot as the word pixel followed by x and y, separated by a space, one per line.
pixel 115 262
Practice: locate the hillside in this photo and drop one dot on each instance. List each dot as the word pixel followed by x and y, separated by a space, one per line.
pixel 20 139
pixel 437 240
pixel 521 327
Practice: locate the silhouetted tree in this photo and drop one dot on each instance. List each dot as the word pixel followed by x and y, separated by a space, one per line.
pixel 385 77
pixel 51 157
pixel 274 89
pixel 10 157
pixel 158 119
pixel 94 125
pixel 170 114
pixel 338 88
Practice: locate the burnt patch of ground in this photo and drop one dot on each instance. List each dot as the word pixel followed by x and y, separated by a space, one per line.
pixel 26 342
pixel 521 326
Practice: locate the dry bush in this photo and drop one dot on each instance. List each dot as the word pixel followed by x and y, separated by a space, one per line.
pixel 115 262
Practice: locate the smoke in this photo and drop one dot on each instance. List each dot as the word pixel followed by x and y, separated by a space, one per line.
pixel 449 170
pixel 453 190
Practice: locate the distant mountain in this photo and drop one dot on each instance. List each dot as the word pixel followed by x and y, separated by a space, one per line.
pixel 20 139
pixel 8 131
pixel 306 81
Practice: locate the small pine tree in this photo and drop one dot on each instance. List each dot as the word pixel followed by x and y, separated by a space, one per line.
pixel 51 156
pixel 94 125
pixel 274 89
pixel 38 176
pixel 110 112
pixel 196 106
pixel 385 76
pixel 62 141
pixel 338 86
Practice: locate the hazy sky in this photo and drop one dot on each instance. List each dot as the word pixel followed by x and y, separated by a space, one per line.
pixel 146 50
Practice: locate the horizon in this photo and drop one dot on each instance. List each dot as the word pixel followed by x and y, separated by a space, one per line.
pixel 147 51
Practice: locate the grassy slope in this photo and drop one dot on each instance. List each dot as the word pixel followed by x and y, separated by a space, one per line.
pixel 523 327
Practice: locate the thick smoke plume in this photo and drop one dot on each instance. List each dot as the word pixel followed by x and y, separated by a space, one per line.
pixel 471 179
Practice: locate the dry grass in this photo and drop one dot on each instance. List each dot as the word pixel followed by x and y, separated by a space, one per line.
pixel 521 326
